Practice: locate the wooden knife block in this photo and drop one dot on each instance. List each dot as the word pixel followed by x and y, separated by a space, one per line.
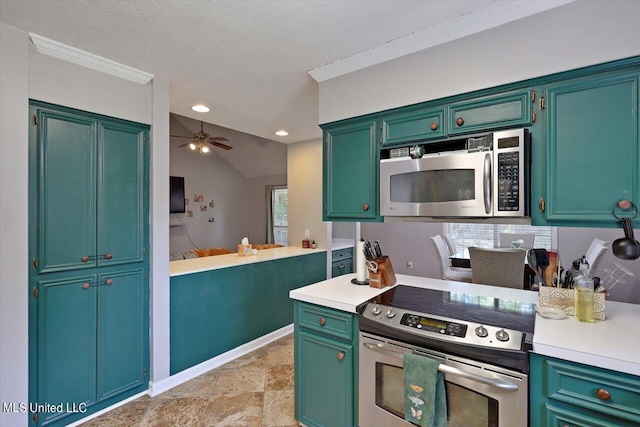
pixel 385 275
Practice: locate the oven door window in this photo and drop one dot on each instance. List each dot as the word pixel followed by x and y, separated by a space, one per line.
pixel 465 407
pixel 433 186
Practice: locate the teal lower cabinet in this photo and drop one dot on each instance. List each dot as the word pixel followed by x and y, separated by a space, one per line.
pixel 326 360
pixel 215 311
pixel 571 394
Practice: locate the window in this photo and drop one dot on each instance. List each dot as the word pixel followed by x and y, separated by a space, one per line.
pixel 488 235
pixel 279 199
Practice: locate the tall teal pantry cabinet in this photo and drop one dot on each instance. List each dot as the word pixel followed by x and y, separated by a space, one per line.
pixel 88 240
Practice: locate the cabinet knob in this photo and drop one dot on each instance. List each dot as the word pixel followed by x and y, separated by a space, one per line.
pixel 459 121
pixel 603 394
pixel 85 286
pixel 365 207
pixel 84 258
pixel 434 126
pixel 340 356
pixel 322 321
pixel 108 256
pixel 109 282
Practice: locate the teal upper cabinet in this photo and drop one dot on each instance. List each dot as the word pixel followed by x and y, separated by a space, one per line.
pixel 593 150
pixel 350 156
pixel 66 200
pixel 490 112
pixel 120 194
pixel 412 126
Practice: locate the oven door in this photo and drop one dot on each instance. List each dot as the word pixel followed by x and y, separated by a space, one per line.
pixel 446 185
pixel 478 395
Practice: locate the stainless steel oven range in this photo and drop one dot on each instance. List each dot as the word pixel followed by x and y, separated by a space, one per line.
pixel 482 345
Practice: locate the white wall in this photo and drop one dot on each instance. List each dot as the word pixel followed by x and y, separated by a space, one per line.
pixel 257 203
pixel 25 74
pixel 567 37
pixel 14 254
pixel 304 176
pixel 217 180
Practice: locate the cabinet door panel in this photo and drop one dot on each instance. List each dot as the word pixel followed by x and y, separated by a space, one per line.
pixel 491 112
pixel 417 125
pixel 66 367
pixel 120 194
pixel 122 332
pixel 66 196
pixel 351 172
pixel 324 382
pixel 593 148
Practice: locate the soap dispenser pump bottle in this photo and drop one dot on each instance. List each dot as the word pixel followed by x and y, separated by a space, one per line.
pixel 583 287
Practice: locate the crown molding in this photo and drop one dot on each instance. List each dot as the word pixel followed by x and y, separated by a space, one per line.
pixel 484 19
pixel 89 60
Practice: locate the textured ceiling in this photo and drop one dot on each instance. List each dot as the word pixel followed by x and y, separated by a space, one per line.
pixel 246 60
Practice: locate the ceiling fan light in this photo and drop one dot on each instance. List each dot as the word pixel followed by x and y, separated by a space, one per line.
pixel 205 149
pixel 200 108
pixel 192 146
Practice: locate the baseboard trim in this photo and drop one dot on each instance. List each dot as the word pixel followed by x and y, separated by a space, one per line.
pixel 199 369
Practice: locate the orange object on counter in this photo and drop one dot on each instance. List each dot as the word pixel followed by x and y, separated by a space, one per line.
pixel 551 268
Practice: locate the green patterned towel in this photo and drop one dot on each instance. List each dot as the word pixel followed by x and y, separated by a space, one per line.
pixel 425 400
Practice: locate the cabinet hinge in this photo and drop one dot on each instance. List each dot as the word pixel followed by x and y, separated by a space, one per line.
pixel 34 120
pixel 144 139
pixel 534 116
pixel 35 262
pixel 144 252
pixel 542 103
pixel 541 206
pixel 145 275
pixel 380 139
pixel 533 96
pixel 35 292
pixel 381 125
pixel 144 373
pixel 35 417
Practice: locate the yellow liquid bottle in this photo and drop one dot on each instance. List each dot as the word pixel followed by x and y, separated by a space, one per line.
pixel 584 304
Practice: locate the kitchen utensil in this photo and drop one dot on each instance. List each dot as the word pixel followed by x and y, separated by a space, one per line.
pixel 628 247
pixel 372 266
pixel 376 248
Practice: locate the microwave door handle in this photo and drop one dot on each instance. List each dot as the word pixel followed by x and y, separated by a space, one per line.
pixel 494 382
pixel 487 184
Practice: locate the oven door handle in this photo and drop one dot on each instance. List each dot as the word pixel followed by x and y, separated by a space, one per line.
pixel 494 382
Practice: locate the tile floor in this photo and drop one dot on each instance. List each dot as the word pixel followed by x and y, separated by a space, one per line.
pixel 253 390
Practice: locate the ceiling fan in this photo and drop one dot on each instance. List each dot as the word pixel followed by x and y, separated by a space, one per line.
pixel 200 139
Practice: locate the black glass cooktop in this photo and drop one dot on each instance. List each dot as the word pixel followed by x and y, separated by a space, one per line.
pixel 502 313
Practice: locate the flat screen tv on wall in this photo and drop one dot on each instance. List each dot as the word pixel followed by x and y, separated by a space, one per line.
pixel 176 194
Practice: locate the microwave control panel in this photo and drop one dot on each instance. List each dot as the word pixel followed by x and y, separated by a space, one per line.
pixel 509 181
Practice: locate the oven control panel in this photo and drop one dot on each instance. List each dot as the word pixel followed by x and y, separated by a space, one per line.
pixel 442 328
pixel 434 325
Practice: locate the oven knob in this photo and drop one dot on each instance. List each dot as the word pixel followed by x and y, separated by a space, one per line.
pixel 481 331
pixel 390 313
pixel 375 309
pixel 502 335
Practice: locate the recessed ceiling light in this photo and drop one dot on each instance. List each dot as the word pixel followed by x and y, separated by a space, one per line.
pixel 200 108
pixel 282 133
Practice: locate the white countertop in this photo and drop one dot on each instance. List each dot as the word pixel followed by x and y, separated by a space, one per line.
pixel 611 344
pixel 196 265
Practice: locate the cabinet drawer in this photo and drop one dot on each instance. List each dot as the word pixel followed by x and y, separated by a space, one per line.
pixel 330 322
pixel 491 112
pixel 599 390
pixel 341 254
pixel 338 268
pixel 413 126
pixel 556 416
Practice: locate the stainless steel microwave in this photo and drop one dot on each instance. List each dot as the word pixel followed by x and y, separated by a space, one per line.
pixel 488 177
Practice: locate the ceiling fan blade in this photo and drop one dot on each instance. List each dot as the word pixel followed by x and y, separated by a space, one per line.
pixel 185 144
pixel 221 145
pixel 180 136
pixel 218 138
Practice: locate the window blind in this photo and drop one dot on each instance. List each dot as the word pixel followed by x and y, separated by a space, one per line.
pixel 464 235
